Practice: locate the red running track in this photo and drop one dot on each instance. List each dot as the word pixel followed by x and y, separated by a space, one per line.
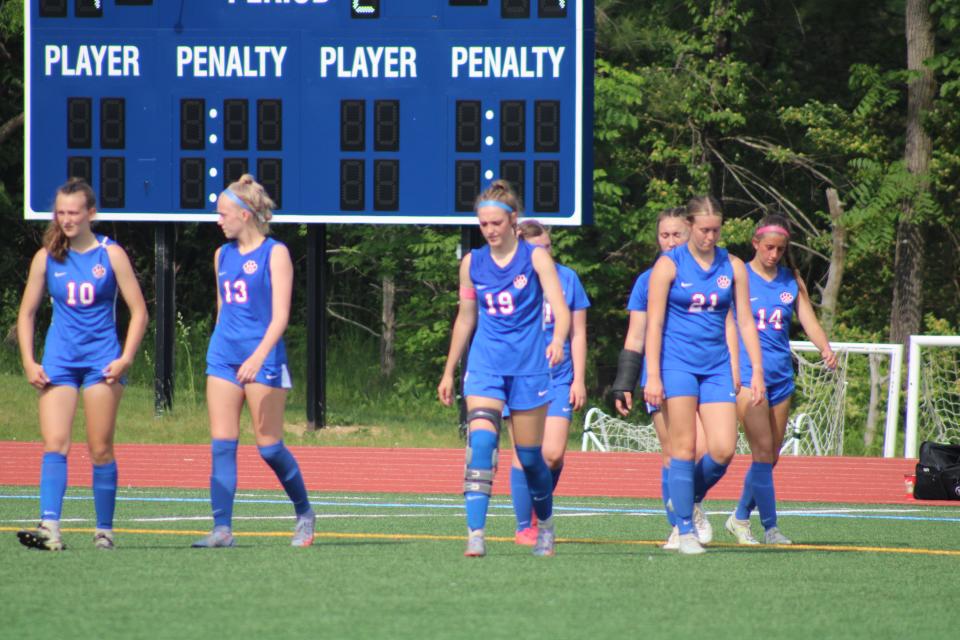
pixel 355 469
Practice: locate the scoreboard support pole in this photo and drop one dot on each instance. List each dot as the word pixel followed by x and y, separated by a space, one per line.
pixel 164 248
pixel 317 287
pixel 470 239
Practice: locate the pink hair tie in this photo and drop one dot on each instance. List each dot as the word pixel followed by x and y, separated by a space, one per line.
pixel 772 228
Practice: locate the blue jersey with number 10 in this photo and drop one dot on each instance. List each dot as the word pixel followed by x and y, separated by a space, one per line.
pixel 83 290
pixel 772 305
pixel 509 336
pixel 246 306
pixel 694 328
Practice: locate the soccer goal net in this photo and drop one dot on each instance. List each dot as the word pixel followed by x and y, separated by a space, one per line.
pixel 933 392
pixel 822 404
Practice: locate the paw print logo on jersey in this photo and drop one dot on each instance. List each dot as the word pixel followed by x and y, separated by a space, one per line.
pixel 520 281
pixel 250 267
pixel 723 282
pixel 786 297
pixel 99 271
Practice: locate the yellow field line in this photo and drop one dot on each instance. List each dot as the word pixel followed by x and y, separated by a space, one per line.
pixel 597 541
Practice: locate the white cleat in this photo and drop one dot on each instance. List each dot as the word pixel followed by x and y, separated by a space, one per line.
pixel 703 526
pixel 773 536
pixel 673 541
pixel 476 547
pixel 740 529
pixel 689 545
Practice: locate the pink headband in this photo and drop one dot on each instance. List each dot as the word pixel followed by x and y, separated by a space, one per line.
pixel 772 228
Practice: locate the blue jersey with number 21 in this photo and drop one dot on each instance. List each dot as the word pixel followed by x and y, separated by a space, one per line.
pixel 509 336
pixel 772 305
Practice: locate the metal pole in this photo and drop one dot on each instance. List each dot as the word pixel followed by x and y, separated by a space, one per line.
pixel 316 326
pixel 164 248
pixel 470 238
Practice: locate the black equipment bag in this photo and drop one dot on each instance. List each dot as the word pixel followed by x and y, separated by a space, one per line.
pixel 938 472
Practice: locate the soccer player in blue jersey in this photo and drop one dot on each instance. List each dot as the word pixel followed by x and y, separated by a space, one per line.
pixel 502 289
pixel 567 380
pixel 247 359
pixel 81 272
pixel 688 359
pixel 672 231
pixel 775 292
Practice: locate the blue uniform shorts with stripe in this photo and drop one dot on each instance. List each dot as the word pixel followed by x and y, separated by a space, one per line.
pixel 276 376
pixel 77 377
pixel 560 406
pixel 716 386
pixel 777 392
pixel 519 393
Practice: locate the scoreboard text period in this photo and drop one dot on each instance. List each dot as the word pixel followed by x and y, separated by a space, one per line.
pixel 393 111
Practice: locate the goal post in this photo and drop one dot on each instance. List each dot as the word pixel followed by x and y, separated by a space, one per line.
pixel 933 391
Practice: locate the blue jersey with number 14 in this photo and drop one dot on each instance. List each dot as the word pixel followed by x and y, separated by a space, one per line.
pixel 509 336
pixel 772 305
pixel 246 306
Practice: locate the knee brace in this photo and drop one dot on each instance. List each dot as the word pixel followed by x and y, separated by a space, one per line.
pixel 481 462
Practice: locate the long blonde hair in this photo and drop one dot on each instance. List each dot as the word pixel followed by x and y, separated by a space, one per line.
pixel 255 196
pixel 55 241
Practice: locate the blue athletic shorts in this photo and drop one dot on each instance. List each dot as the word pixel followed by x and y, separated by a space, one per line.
pixel 560 406
pixel 776 392
pixel 517 392
pixel 711 387
pixel 77 377
pixel 276 376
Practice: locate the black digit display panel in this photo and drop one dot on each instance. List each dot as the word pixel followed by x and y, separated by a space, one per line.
pixel 546 123
pixel 80 167
pixel 269 125
pixel 514 172
pixel 88 8
pixel 467 184
pixel 113 123
pixel 233 168
pixel 386 129
pixel 513 126
pixel 112 182
pixel 515 8
pixel 79 123
pixel 236 124
pixel 353 125
pixel 352 185
pixel 270 175
pixel 386 185
pixel 193 131
pixel 53 8
pixel 552 8
pixel 468 132
pixel 546 186
pixel 192 182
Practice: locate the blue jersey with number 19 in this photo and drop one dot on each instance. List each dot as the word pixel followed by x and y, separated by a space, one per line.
pixel 509 336
pixel 246 306
pixel 772 305
pixel 694 328
pixel 83 290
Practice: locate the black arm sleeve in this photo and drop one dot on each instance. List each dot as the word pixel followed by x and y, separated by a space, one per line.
pixel 628 370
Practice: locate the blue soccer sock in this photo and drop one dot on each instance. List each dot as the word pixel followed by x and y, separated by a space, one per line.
pixel 223 481
pixel 539 479
pixel 665 492
pixel 706 474
pixel 681 493
pixel 105 493
pixel 746 496
pixel 288 472
pixel 520 495
pixel 482 445
pixel 764 494
pixel 53 484
pixel 556 476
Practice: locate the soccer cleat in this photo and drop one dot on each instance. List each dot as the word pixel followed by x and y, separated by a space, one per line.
pixel 689 545
pixel 704 528
pixel 526 537
pixel 219 537
pixel 673 541
pixel 740 529
pixel 546 540
pixel 773 536
pixel 476 547
pixel 45 537
pixel 103 539
pixel 304 531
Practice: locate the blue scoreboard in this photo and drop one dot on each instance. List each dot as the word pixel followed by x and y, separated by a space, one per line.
pixel 392 111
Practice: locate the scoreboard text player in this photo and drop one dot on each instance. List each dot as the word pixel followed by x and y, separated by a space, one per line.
pixel 394 111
